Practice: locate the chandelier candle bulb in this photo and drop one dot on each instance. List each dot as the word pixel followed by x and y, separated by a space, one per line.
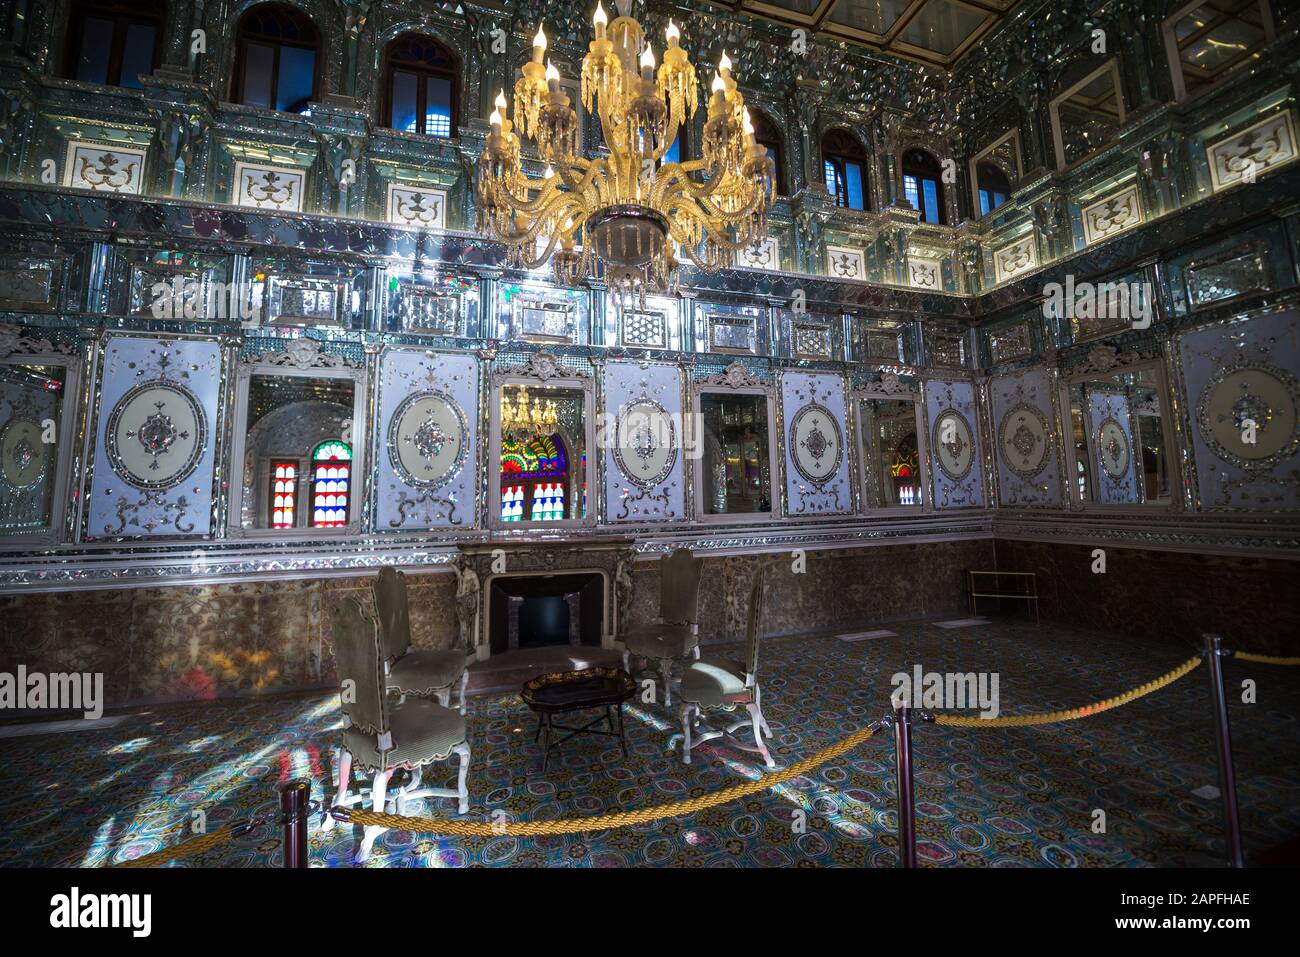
pixel 539 45
pixel 600 20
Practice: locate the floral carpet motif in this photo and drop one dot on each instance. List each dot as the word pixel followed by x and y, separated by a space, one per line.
pixel 986 797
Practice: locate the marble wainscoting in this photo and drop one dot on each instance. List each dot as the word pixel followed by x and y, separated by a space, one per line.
pixel 841 590
pixel 1166 596
pixel 203 641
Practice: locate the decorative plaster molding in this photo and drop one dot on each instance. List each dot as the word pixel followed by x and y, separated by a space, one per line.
pixel 300 353
pixel 542 366
pixel 735 376
pixel 15 341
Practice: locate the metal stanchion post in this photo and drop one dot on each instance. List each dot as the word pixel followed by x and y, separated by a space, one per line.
pixel 906 808
pixel 294 803
pixel 1227 777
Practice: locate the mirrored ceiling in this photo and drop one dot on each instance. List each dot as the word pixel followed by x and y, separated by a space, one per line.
pixel 935 31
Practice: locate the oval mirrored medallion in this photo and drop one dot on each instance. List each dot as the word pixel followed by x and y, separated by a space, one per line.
pixel 156 435
pixel 1247 415
pixel 428 439
pixel 23 453
pixel 1025 441
pixel 645 443
pixel 954 444
pixel 1113 448
pixel 816 444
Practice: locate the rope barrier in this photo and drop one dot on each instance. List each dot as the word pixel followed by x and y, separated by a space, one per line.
pixel 604 822
pixel 188 849
pixel 1265 659
pixel 452 828
pixel 1053 717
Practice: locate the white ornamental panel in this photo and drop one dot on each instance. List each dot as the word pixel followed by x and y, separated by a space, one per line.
pixel 154 454
pixel 643 437
pixel 426 461
pixel 1024 440
pixel 952 419
pixel 816 454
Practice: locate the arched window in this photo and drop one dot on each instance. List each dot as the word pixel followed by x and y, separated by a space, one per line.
pixel 331 464
pixel 275 59
pixel 766 134
pixel 923 185
pixel 994 187
pixel 113 43
pixel 844 169
pixel 422 79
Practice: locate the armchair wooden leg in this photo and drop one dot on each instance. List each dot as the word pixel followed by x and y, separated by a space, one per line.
pixel 666 669
pixel 464 683
pixel 340 795
pixel 463 750
pixel 756 718
pixel 686 734
pixel 378 796
pixel 627 661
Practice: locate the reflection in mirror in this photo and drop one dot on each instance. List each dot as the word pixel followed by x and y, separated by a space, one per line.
pixel 31 405
pixel 737 470
pixel 1206 39
pixel 1120 448
pixel 1088 116
pixel 543 454
pixel 892 476
pixel 298 453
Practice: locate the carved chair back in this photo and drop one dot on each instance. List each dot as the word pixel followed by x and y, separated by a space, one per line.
pixel 679 587
pixel 357 659
pixel 756 593
pixel 391 612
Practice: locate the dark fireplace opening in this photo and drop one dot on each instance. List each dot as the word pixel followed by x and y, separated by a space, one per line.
pixel 534 611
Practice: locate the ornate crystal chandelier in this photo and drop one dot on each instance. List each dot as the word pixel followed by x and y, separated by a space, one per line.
pixel 628 208
pixel 521 422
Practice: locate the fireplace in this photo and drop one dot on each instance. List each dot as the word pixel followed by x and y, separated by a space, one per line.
pixel 533 611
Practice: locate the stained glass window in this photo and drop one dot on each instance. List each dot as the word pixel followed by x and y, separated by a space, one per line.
pixel 330 462
pixel 534 475
pixel 284 493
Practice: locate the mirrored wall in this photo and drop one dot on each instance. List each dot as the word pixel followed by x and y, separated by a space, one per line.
pixel 1119 439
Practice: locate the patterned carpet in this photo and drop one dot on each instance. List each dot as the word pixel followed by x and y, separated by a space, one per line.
pixel 986 797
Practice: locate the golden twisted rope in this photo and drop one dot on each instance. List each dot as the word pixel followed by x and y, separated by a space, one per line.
pixel 1052 717
pixel 188 849
pixel 603 822
pixel 1266 659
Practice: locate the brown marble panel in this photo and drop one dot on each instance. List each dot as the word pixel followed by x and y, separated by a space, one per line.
pixel 1167 596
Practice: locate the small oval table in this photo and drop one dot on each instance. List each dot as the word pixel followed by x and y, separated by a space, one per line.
pixel 565 691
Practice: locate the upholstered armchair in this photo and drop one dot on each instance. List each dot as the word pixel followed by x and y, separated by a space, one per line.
pixel 382 738
pixel 725 685
pixel 676 632
pixel 421 672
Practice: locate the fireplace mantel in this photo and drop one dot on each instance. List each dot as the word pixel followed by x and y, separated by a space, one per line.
pixel 477 564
